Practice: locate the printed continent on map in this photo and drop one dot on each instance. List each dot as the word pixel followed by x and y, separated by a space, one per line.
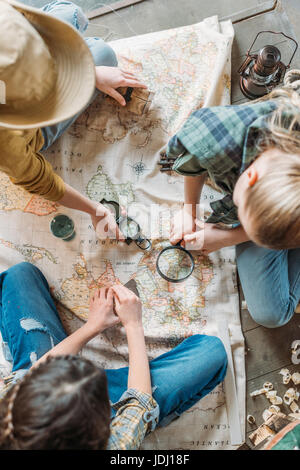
pixel 12 197
pixel 75 291
pixel 101 187
pixel 30 253
pixel 173 304
pixel 180 306
pixel 111 123
pixel 169 69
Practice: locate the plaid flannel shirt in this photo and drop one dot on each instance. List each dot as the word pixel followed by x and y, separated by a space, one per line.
pixel 137 415
pixel 221 141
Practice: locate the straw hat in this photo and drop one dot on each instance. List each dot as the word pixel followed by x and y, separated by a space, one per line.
pixel 47 73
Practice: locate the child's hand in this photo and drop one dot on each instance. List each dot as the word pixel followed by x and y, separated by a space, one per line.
pixel 105 224
pixel 110 78
pixel 127 306
pixel 208 239
pixel 102 314
pixel 182 224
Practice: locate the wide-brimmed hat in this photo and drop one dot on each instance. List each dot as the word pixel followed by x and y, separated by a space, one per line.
pixel 47 73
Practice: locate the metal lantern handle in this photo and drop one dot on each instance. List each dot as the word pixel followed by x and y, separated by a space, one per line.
pixel 274 32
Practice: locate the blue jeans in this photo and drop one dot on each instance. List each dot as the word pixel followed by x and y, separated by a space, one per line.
pixel 271 282
pixel 30 326
pixel 102 53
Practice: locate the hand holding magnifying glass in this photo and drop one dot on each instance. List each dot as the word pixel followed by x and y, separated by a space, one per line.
pixel 128 227
pixel 175 263
pixel 211 237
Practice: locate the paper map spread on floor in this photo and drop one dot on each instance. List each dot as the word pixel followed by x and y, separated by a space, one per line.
pixel 110 152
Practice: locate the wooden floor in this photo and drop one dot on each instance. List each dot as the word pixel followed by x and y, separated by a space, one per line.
pixel 267 352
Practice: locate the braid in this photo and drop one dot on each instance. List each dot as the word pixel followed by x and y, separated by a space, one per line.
pixel 8 419
pixel 77 384
pixel 8 432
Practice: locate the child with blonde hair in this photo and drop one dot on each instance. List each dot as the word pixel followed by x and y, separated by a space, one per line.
pixel 252 153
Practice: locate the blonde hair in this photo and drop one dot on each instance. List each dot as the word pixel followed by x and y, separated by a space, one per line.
pixel 273 203
pixel 284 126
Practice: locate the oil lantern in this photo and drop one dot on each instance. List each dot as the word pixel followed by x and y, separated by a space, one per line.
pixel 262 72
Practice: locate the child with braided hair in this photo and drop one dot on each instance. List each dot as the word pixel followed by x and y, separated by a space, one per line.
pixel 65 382
pixel 56 399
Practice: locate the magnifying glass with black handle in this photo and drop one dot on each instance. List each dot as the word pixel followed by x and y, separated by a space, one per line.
pixel 174 263
pixel 128 226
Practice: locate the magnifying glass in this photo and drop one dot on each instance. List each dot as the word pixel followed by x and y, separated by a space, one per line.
pixel 132 231
pixel 175 264
pixel 128 226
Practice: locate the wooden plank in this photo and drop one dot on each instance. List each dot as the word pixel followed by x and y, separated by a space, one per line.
pixel 291 7
pixel 108 9
pixel 158 15
pixel 244 447
pixel 269 349
pixel 246 13
pixel 247 321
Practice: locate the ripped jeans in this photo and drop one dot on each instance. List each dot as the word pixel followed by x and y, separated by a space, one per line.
pixel 30 326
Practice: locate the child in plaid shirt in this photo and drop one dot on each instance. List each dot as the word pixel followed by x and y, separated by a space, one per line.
pixel 252 153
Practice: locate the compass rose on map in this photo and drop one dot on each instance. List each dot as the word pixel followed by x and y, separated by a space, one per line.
pixel 139 168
